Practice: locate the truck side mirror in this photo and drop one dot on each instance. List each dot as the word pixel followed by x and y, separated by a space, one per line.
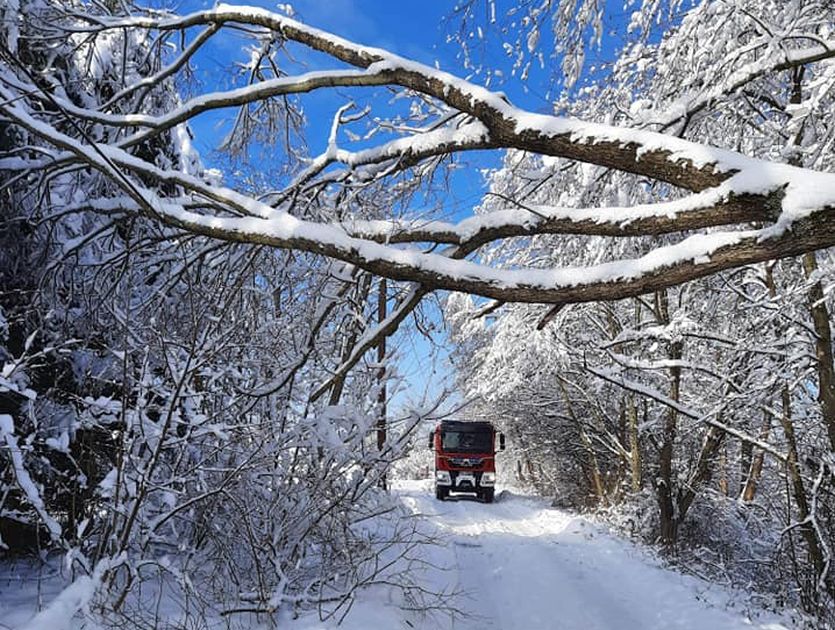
pixel 501 441
pixel 431 439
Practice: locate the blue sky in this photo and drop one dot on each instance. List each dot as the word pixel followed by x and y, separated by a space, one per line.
pixel 412 29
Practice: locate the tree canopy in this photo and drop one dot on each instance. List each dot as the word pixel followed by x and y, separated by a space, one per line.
pixel 766 209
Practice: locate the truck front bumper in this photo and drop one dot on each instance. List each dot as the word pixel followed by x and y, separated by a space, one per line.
pixel 464 481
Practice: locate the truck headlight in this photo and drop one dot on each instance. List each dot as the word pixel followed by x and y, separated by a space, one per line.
pixel 442 478
pixel 488 479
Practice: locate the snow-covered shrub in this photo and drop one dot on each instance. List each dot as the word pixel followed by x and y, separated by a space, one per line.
pixel 419 461
pixel 670 408
pixel 157 417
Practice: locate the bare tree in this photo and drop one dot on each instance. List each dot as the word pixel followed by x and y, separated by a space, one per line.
pixel 768 200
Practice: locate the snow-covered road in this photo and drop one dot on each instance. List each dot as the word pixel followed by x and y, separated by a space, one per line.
pixel 524 565
pixel 516 564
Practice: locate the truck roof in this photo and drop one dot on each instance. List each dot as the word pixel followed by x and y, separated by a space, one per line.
pixel 464 426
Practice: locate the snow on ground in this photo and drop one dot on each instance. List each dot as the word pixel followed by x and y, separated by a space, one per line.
pixel 26 588
pixel 523 565
pixel 516 564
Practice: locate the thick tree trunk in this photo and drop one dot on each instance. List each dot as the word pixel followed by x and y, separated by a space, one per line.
pixel 793 471
pixel 634 445
pixel 817 301
pixel 664 484
pixel 592 467
pixel 826 382
pixel 749 490
pixel 823 347
pixel 746 456
pixel 806 528
pixel 701 471
pixel 382 309
pixel 755 471
pixel 665 471
pixel 724 481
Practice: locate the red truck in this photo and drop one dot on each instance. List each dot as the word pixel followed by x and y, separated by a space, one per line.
pixel 465 458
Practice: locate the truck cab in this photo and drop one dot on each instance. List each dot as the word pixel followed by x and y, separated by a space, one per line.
pixel 465 458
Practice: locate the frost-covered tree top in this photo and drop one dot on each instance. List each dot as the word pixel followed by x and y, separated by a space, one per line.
pixel 737 204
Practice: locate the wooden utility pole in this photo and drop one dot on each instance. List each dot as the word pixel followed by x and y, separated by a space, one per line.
pixel 381 359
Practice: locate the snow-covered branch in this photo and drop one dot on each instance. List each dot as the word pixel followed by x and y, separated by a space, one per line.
pixel 795 205
pixel 708 419
pixel 780 59
pixel 682 163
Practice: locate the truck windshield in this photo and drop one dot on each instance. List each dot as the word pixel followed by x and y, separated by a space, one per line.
pixel 467 441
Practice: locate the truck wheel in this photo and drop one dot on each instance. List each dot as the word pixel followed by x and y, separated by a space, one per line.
pixel 487 495
pixel 441 493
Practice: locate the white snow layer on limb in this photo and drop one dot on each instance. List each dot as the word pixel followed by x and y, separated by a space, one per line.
pixel 60 612
pixel 24 481
pixel 541 219
pixel 451 89
pixel 803 191
pixel 456 92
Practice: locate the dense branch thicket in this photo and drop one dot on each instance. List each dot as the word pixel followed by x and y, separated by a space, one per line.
pixel 700 417
pixel 157 411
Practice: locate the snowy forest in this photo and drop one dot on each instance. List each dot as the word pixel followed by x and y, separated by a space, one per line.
pixel 200 397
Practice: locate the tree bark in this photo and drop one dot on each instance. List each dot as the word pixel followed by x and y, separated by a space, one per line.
pixel 807 531
pixel 701 471
pixel 498 125
pixel 749 491
pixel 724 482
pixel 634 445
pixel 382 395
pixel 823 347
pixel 746 456
pixel 592 465
pixel 665 484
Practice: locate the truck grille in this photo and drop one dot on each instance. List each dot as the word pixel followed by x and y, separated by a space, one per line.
pixel 470 462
